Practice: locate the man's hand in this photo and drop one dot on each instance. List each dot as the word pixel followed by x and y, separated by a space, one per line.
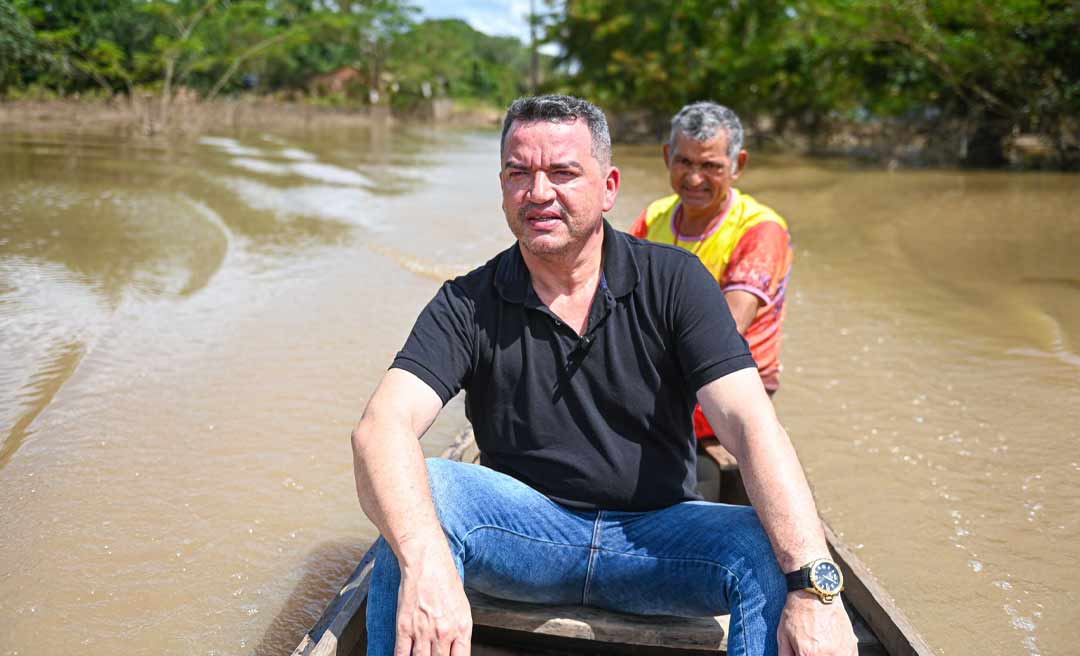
pixel 811 628
pixel 433 614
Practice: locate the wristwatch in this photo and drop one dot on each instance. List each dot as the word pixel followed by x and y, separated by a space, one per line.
pixel 821 576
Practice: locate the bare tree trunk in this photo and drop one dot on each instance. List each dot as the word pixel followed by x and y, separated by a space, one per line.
pixel 184 33
pixel 166 94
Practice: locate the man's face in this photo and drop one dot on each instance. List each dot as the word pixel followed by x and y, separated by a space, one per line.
pixel 702 173
pixel 554 190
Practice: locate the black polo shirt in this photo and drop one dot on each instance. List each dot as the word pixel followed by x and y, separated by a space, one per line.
pixel 597 421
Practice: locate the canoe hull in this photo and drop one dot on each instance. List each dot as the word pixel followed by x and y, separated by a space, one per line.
pixel 505 628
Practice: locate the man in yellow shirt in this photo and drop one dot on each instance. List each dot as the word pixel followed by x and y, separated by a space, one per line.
pixel 746 245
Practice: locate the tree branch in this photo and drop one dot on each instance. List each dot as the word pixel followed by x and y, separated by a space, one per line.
pixel 255 49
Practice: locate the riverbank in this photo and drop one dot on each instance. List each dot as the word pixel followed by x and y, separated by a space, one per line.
pixel 187 115
pixel 887 144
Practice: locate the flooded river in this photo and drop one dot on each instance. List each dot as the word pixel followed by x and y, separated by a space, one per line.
pixel 188 331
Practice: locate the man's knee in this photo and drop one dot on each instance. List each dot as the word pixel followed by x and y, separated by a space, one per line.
pixel 741 536
pixel 751 529
pixel 463 484
pixel 444 479
pixel 439 471
pixel 757 548
pixel 450 482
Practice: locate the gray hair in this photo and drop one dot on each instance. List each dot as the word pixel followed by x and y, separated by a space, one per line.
pixel 562 109
pixel 701 120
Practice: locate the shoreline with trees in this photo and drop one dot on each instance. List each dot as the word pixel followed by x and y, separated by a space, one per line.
pixel 899 83
pixel 160 66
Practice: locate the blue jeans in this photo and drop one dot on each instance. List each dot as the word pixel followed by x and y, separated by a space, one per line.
pixel 692 559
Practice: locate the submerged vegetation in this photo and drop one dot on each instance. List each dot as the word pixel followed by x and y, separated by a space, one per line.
pixel 967 81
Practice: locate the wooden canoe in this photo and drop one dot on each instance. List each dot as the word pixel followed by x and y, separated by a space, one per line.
pixel 503 628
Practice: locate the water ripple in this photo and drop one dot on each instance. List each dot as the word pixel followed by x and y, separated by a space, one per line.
pixel 49 320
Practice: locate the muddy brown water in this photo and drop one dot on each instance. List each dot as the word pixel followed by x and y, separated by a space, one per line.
pixel 189 329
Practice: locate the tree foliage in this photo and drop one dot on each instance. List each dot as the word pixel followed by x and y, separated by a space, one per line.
pixel 221 46
pixel 18 47
pixel 80 43
pixel 450 57
pixel 997 66
pixel 662 55
pixel 1003 65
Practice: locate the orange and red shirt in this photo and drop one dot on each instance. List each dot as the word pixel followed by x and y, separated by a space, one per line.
pixel 748 249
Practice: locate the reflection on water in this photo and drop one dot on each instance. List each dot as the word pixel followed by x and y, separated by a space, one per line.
pixel 188 330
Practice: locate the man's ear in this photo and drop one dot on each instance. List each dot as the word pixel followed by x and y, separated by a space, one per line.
pixel 741 161
pixel 667 155
pixel 611 188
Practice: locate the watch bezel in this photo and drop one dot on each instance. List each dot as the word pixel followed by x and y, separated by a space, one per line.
pixel 826 596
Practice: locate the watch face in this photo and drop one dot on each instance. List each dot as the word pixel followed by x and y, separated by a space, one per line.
pixel 826 577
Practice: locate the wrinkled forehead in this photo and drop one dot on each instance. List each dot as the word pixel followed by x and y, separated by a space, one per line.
pixel 547 141
pixel 712 148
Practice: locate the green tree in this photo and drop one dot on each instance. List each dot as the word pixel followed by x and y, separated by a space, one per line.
pixel 641 54
pixel 18 47
pixel 1001 65
pixel 449 57
pixel 82 43
pixel 996 66
pixel 202 44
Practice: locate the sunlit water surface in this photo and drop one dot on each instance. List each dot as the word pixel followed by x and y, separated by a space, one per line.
pixel 189 329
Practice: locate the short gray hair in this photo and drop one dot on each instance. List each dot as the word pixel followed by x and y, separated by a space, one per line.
pixel 701 120
pixel 562 109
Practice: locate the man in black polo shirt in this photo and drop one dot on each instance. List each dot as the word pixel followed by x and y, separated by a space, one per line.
pixel 582 352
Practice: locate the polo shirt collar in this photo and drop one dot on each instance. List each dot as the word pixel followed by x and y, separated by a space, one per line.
pixel 620 267
pixel 514 283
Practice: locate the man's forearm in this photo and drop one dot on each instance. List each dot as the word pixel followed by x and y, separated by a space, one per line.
pixel 392 485
pixel 391 477
pixel 433 612
pixel 746 424
pixel 778 489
